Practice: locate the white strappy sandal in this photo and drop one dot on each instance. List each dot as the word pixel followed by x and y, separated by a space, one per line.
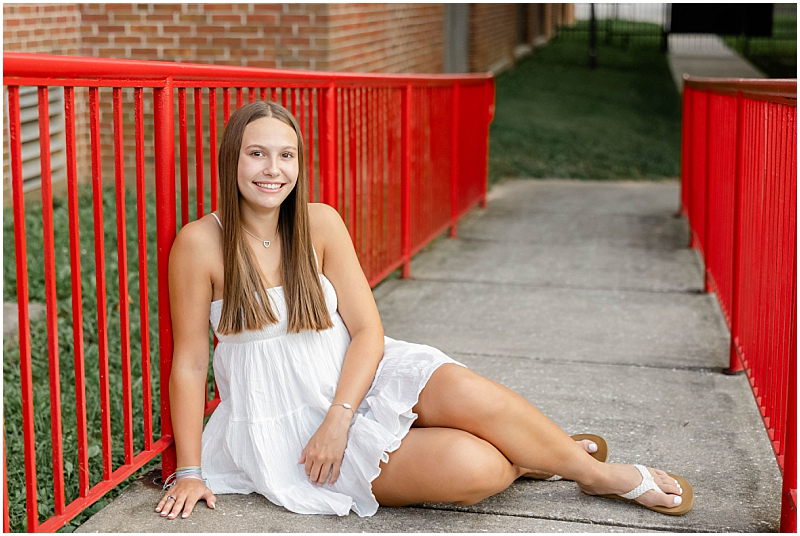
pixel 649 484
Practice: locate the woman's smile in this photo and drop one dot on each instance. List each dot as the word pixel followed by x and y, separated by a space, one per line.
pixel 270 187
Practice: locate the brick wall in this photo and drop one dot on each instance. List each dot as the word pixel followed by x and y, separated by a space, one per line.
pixel 284 36
pixel 390 38
pixel 492 36
pixel 493 44
pixel 41 28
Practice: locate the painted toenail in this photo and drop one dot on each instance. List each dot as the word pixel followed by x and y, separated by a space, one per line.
pixel 592 447
pixel 677 500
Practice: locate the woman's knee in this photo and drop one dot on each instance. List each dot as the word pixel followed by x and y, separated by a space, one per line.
pixel 482 470
pixel 458 393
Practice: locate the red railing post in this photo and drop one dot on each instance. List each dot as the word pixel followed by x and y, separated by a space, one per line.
pixel 405 178
pixel 122 266
pixel 164 126
pixel 789 489
pixel 454 162
pixel 706 248
pixel 6 518
pixel 735 365
pixel 327 146
pixel 50 297
pixel 489 87
pixel 689 93
pixel 77 294
pixel 100 274
pixel 21 258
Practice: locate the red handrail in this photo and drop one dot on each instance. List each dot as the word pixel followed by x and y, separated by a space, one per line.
pixel 402 157
pixel 739 193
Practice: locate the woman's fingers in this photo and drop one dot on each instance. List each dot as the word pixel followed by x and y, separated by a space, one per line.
pixel 210 498
pixel 325 470
pixel 188 507
pixel 180 500
pixel 167 507
pixel 162 502
pixel 313 471
pixel 335 473
pixel 167 504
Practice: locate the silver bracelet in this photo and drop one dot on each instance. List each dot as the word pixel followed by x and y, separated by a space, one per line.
pixel 346 405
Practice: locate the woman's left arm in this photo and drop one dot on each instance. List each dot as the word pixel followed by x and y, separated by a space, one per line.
pixel 323 454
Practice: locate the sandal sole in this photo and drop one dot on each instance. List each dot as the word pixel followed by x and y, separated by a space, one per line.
pixel 684 507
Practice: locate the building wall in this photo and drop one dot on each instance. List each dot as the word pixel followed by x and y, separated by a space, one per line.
pixel 494 44
pixel 44 29
pixel 283 36
pixel 41 28
pixel 390 38
pixel 492 36
pixel 353 37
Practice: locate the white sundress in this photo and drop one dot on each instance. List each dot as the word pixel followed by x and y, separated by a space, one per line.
pixel 275 389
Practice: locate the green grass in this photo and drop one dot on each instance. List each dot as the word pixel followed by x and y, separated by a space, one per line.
pixel 775 56
pixel 556 118
pixel 39 351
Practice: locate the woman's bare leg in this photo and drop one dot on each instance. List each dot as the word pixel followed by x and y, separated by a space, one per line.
pixel 442 465
pixel 456 397
pixel 542 475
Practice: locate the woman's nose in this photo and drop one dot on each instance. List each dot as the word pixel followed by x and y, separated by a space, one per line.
pixel 270 167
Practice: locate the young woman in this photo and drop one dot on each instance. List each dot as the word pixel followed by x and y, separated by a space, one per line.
pixel 319 412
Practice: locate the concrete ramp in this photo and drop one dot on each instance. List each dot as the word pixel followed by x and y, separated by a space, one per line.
pixel 583 297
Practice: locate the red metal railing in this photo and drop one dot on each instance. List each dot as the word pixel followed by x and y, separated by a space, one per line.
pixel 739 193
pixel 401 157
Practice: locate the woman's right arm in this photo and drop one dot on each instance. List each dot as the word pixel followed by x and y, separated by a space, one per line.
pixel 190 293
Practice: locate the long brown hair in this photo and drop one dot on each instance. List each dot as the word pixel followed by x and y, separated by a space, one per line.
pixel 246 304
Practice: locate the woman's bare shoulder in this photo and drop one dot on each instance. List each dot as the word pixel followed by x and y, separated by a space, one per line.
pixel 325 225
pixel 323 219
pixel 198 241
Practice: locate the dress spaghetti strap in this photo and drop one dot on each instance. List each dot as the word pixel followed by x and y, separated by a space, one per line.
pixel 217 218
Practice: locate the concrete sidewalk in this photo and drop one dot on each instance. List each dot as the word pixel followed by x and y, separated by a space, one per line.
pixel 706 55
pixel 582 297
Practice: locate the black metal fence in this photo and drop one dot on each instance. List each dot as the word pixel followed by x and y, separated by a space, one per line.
pixel 648 25
pixel 622 25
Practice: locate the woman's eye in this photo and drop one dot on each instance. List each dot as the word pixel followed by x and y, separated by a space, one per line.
pixel 256 153
pixel 288 155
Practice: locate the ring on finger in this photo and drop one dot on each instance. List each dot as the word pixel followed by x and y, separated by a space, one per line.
pixel 171 498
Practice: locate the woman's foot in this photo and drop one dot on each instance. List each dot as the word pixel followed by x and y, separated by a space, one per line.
pixel 618 479
pixel 587 445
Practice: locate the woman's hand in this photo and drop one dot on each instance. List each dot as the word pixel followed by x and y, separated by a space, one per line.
pixel 183 496
pixel 325 450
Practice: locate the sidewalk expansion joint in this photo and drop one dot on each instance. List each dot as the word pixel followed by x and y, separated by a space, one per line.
pixel 691 291
pixel 583 521
pixel 548 360
pixel 550 243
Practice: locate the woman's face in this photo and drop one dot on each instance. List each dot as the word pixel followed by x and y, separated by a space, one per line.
pixel 268 162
